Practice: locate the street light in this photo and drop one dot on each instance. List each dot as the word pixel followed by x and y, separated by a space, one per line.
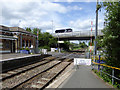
pixel 58 44
pixel 52 26
pixel 96 29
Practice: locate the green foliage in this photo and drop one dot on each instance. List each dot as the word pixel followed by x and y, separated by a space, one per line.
pixel 110 43
pixel 82 44
pixel 27 49
pixel 46 39
pixel 46 47
pixel 90 43
pixel 28 29
pixel 22 48
pixel 66 45
pixel 35 31
pixel 111 38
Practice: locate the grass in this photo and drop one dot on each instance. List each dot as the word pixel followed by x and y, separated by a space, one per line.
pixel 106 79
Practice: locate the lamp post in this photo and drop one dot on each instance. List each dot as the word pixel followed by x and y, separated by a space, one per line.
pixel 58 44
pixel 52 26
pixel 96 29
pixel 37 37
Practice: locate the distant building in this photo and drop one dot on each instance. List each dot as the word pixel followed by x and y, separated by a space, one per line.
pixel 12 39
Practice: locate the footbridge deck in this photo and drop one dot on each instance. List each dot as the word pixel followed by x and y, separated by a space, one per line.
pixel 77 35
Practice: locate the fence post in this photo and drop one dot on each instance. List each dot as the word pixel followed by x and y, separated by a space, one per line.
pixel 99 63
pixel 112 76
pixel 94 61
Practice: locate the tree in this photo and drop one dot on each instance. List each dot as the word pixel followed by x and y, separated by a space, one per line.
pixel 52 42
pixel 47 40
pixel 82 44
pixel 111 39
pixel 35 31
pixel 28 29
pixel 66 45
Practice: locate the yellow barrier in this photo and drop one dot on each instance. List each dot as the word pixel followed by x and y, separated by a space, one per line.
pixel 106 65
pixel 103 60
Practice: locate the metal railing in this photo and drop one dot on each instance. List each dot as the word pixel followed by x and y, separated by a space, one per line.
pixel 78 34
pixel 101 67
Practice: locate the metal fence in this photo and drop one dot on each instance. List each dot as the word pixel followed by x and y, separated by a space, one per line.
pixel 100 67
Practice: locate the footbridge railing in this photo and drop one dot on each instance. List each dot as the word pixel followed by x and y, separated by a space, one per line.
pixel 85 33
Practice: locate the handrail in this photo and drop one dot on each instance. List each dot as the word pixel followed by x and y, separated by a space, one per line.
pixel 113 72
pixel 106 65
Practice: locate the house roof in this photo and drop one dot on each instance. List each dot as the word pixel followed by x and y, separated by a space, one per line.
pixel 4 27
pixel 15 29
pixel 18 29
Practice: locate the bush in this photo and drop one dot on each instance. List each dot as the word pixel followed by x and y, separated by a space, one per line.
pixel 46 47
pixel 27 49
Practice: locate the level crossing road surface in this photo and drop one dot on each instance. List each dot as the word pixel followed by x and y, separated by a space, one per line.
pixel 83 77
pixel 67 55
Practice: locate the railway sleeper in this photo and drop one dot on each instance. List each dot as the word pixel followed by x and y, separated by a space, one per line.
pixel 48 76
pixel 22 69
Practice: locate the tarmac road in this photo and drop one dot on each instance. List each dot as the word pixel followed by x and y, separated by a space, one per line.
pixel 67 55
pixel 83 77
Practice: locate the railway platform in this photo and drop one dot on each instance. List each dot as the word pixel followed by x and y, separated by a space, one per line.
pixel 5 57
pixel 83 77
pixel 15 60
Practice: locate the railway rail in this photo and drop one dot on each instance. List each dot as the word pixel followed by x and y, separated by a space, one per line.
pixel 37 75
pixel 14 72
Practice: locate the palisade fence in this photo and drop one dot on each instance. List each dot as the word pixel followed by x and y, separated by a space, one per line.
pixel 100 66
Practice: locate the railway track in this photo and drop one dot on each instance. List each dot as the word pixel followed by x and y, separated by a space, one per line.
pixel 12 73
pixel 37 75
pixel 43 79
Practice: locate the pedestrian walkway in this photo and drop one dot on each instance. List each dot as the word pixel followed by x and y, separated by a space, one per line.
pixel 83 77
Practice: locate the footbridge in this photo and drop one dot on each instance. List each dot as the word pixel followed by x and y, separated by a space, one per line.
pixel 77 35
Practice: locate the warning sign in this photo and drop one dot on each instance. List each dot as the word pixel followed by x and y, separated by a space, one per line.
pixel 82 61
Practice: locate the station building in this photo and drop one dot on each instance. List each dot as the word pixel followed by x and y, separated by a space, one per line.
pixel 12 39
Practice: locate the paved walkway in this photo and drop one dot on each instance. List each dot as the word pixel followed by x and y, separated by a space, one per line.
pixel 83 78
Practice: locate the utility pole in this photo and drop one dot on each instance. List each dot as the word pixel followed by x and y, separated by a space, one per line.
pixel 96 29
pixel 37 37
pixel 52 27
pixel 58 45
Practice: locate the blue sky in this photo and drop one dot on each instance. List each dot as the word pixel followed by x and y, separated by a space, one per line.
pixel 75 15
pixel 80 10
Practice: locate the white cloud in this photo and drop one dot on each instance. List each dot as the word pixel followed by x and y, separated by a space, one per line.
pixel 70 8
pixel 81 25
pixel 31 14
pixel 40 14
pixel 77 8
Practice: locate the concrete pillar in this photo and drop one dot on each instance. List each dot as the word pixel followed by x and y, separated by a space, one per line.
pixel 16 46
